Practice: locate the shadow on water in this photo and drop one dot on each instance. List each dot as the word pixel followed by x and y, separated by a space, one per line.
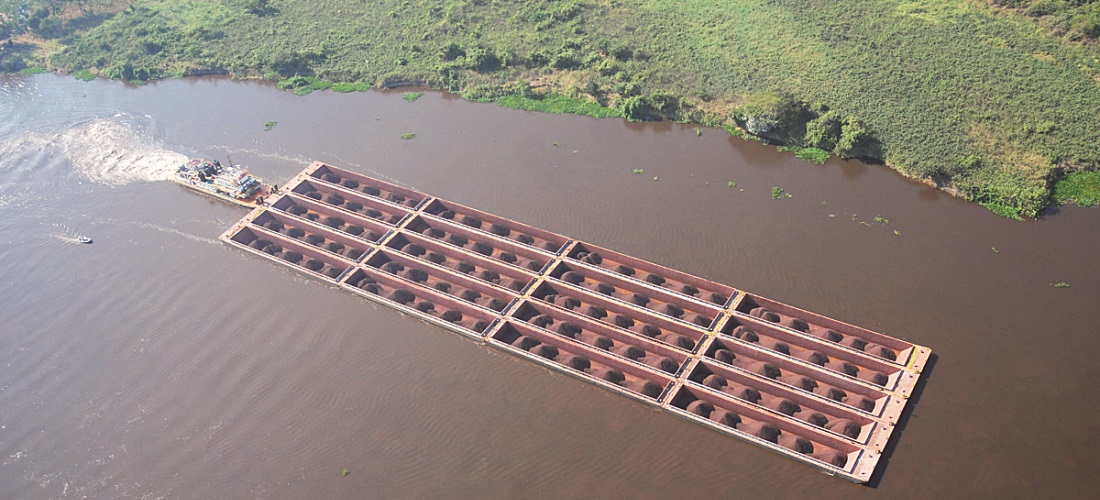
pixel 903 421
pixel 853 168
pixel 647 127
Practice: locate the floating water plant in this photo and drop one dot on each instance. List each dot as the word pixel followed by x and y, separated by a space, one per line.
pixel 815 155
pixel 412 96
pixel 270 125
pixel 638 170
pixel 698 133
pixel 1082 188
pixel 346 472
pixel 778 192
pixel 1061 284
pixel 731 184
pixel 408 136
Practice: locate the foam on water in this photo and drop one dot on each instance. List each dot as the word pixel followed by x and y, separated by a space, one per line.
pixel 65 235
pixel 112 152
pixel 109 151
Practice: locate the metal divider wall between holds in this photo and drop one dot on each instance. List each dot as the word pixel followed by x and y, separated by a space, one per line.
pixel 809 387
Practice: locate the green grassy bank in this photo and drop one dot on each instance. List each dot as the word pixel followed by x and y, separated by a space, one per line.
pixel 994 99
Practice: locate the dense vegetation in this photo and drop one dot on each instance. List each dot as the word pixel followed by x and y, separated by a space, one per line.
pixel 996 99
pixel 1073 19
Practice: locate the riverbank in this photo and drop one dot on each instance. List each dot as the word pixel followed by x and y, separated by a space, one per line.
pixel 932 89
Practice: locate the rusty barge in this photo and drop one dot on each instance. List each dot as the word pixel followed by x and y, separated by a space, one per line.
pixel 811 388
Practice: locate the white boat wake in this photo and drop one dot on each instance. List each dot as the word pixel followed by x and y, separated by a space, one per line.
pixel 109 151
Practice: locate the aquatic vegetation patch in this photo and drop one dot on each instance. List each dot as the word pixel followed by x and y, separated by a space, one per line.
pixel 815 155
pixel 351 87
pixel 1003 210
pixel 1081 188
pixel 302 85
pixel 84 75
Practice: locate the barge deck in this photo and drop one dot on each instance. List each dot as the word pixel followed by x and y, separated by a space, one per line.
pixel 820 391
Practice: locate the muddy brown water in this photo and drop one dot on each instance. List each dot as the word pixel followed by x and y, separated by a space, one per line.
pixel 158 362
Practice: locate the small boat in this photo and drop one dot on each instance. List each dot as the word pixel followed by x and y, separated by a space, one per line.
pixel 228 182
pixel 84 239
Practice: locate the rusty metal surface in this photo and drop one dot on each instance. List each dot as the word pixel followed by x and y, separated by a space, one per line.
pixel 812 388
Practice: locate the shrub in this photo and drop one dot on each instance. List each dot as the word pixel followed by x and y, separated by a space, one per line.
pixel 855 139
pixel 771 115
pixel 824 131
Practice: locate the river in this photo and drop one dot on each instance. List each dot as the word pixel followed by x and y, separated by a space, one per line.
pixel 159 363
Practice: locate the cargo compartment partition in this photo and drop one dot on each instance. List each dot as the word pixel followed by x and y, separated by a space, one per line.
pixel 815 389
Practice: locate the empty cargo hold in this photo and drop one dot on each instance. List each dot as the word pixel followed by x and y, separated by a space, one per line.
pixel 809 387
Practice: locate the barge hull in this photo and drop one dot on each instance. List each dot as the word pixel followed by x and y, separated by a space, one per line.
pixel 812 388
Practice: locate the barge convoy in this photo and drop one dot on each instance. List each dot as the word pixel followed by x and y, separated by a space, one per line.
pixel 811 388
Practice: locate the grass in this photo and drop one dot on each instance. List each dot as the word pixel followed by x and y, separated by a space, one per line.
pixel 557 104
pixel 412 96
pixel 970 96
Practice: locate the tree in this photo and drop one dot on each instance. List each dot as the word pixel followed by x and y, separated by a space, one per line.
pixel 854 138
pixel 824 131
pixel 481 59
pixel 450 52
pixel 257 7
